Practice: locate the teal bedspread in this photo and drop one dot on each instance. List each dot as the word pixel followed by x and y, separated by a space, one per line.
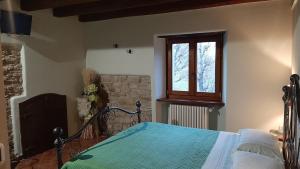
pixel 149 146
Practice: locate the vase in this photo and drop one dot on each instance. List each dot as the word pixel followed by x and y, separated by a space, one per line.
pixel 83 106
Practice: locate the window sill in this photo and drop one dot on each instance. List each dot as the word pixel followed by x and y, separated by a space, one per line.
pixel 192 102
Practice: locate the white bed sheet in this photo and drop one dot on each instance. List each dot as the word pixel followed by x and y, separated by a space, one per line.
pixel 220 156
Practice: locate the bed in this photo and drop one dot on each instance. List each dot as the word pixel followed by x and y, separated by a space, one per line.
pixel 161 146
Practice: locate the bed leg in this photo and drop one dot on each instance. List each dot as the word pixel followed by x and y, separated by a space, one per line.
pixel 138 110
pixel 58 143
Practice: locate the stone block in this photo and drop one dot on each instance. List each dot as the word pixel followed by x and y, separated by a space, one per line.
pixel 12 69
pixel 124 91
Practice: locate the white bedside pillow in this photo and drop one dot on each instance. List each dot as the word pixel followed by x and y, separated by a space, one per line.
pixel 255 141
pixel 246 160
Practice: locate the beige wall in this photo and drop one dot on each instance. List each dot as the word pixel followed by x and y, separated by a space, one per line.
pixel 258 51
pixel 296 39
pixel 258 55
pixel 53 57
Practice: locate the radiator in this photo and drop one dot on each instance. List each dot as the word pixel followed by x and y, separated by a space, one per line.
pixel 188 116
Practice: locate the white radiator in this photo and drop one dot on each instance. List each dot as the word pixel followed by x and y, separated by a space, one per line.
pixel 188 116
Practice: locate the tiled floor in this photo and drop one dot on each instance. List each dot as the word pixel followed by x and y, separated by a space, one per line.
pixel 47 160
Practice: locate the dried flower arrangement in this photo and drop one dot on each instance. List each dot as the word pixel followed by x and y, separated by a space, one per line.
pixel 94 98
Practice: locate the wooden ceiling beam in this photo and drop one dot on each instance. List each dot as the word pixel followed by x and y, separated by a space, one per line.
pixel 107 6
pixel 179 5
pixel 32 5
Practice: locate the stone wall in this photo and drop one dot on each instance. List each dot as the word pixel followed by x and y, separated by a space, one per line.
pixel 12 68
pixel 124 91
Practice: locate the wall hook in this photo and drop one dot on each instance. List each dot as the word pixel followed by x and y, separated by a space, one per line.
pixel 129 51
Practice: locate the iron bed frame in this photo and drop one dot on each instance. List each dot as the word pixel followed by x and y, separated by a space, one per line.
pixel 291 140
pixel 58 132
pixel 291 132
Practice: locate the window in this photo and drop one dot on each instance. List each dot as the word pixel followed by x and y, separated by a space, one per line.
pixel 194 65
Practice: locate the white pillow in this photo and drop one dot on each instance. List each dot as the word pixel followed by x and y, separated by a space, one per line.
pixel 255 141
pixel 246 160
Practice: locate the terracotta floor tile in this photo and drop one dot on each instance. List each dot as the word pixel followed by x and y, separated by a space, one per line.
pixel 47 159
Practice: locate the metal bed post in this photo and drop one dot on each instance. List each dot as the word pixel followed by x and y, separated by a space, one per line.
pixel 58 143
pixel 291 142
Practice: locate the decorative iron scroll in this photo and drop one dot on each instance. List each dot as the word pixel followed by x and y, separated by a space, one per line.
pixel 291 141
pixel 58 132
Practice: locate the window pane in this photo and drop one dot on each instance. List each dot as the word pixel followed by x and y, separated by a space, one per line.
pixel 206 67
pixel 180 67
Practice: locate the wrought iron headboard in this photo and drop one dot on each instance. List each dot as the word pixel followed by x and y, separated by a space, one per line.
pixel 291 142
pixel 58 132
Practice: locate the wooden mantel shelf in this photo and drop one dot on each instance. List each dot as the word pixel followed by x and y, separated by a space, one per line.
pixel 192 102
